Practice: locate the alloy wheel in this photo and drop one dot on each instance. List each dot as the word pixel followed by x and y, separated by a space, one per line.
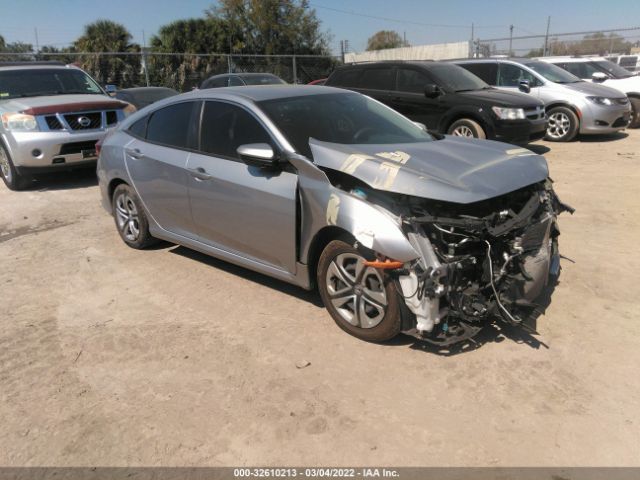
pixel 5 168
pixel 356 291
pixel 558 125
pixel 462 131
pixel 127 217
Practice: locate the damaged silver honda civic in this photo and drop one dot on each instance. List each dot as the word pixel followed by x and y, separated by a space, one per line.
pixel 401 230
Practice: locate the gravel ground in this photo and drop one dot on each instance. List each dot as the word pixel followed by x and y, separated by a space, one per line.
pixel 111 356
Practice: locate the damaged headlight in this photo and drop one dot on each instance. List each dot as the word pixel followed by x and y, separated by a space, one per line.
pixel 509 113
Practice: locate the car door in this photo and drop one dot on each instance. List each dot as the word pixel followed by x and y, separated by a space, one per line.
pixel 409 99
pixel 157 164
pixel 242 209
pixel 510 76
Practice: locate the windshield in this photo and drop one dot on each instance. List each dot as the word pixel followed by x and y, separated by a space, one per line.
pixel 45 81
pixel 552 73
pixel 262 80
pixel 347 118
pixel 616 71
pixel 455 78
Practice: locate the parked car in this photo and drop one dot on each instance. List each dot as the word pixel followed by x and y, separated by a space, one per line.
pixel 628 62
pixel 602 71
pixel 241 79
pixel 400 230
pixel 52 117
pixel 573 106
pixel 320 81
pixel 447 99
pixel 140 97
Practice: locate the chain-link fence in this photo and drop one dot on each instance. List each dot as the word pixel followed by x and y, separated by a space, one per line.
pixel 184 71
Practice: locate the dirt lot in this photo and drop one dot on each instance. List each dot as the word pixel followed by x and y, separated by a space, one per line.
pixel 111 356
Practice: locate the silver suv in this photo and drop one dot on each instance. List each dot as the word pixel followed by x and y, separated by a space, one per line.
pixel 52 115
pixel 573 106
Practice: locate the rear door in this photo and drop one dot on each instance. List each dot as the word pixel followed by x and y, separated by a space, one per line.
pixel 241 209
pixel 157 163
pixel 377 82
pixel 409 99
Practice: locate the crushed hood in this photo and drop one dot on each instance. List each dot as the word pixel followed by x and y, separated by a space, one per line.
pixel 453 169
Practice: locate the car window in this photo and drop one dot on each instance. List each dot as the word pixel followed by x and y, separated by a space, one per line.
pixel 412 81
pixel 486 71
pixel 139 128
pixel 454 78
pixel 225 127
pixel 377 78
pixel 235 82
pixel 216 82
pixel 510 75
pixel 612 69
pixel 173 126
pixel 265 79
pixel 349 77
pixel 580 69
pixel 36 82
pixel 551 72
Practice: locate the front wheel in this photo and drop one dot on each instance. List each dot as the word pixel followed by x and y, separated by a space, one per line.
pixel 130 217
pixel 10 175
pixel 362 300
pixel 465 127
pixel 635 113
pixel 562 125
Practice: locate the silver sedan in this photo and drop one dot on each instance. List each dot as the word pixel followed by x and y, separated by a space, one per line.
pixel 401 230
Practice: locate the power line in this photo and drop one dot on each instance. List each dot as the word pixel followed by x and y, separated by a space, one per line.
pixel 396 20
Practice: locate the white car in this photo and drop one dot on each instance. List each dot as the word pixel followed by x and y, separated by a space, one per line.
pixel 600 70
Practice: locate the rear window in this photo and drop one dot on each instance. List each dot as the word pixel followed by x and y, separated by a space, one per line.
pixel 377 78
pixel 485 71
pixel 173 126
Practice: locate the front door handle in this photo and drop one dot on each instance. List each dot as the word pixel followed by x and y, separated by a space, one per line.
pixel 134 153
pixel 200 174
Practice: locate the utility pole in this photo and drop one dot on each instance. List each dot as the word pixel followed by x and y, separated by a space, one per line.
pixel 472 34
pixel 144 59
pixel 546 37
pixel 35 30
pixel 510 39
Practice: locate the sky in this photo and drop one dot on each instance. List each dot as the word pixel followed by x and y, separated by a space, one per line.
pixel 59 22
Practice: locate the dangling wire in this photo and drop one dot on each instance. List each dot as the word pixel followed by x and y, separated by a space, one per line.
pixel 495 292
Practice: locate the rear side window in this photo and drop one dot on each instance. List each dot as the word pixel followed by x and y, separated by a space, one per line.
pixel 377 78
pixel 139 128
pixel 346 78
pixel 173 126
pixel 235 82
pixel 412 81
pixel 486 71
pixel 225 127
pixel 216 82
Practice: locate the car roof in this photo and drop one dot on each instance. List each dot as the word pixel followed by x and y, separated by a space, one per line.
pixel 570 59
pixel 259 93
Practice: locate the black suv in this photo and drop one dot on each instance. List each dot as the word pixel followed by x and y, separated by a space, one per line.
pixel 447 99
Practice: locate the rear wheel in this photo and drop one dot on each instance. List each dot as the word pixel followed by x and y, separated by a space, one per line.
pixel 635 113
pixel 362 300
pixel 130 217
pixel 562 125
pixel 10 175
pixel 466 127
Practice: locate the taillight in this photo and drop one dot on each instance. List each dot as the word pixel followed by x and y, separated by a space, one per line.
pixel 98 146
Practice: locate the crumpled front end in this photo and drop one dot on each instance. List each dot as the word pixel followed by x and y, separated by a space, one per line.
pixel 479 261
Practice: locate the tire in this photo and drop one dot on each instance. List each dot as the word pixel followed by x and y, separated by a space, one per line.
pixel 379 318
pixel 13 179
pixel 635 113
pixel 465 127
pixel 563 125
pixel 130 218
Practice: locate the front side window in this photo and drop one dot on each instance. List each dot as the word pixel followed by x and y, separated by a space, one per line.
pixel 510 75
pixel 377 79
pixel 412 81
pixel 36 82
pixel 173 126
pixel 347 118
pixel 225 127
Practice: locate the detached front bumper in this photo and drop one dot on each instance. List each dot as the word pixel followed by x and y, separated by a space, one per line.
pixel 37 152
pixel 604 119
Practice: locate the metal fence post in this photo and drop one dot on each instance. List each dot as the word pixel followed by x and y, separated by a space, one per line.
pixel 295 73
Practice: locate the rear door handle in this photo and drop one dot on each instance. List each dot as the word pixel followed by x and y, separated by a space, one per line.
pixel 134 153
pixel 200 174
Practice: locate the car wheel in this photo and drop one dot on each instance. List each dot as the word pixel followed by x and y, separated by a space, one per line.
pixel 635 113
pixel 562 125
pixel 362 300
pixel 130 217
pixel 10 175
pixel 466 127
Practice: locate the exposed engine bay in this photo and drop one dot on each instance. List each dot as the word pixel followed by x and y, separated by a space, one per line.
pixel 478 262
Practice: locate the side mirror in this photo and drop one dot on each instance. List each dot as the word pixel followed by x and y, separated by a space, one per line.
pixel 421 126
pixel 110 89
pixel 598 77
pixel 257 155
pixel 524 86
pixel 431 90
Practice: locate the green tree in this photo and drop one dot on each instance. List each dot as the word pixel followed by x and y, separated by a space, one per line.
pixel 385 39
pixel 100 41
pixel 25 51
pixel 58 54
pixel 2 44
